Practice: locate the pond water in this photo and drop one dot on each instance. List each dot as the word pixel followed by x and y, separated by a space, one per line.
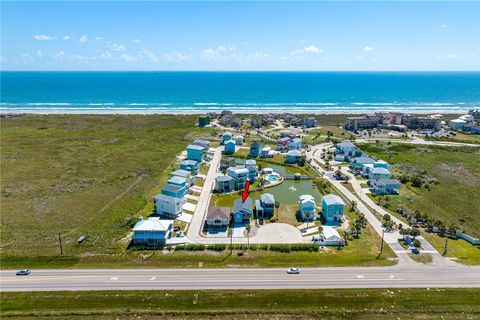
pixel 286 193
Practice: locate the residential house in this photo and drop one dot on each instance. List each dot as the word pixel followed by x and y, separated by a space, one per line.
pixel 286 133
pixel 307 207
pixel 229 147
pixel 224 183
pixel 178 181
pixel 153 231
pixel 187 175
pixel 227 162
pixel 240 176
pixel 255 149
pixel 190 166
pixel 265 151
pixel 239 140
pixel 345 147
pixel 329 237
pixel 294 144
pixel 309 122
pixel 242 211
pixel 332 208
pixel 293 156
pixel 168 206
pixel 203 121
pixel 282 144
pixel 174 191
pixel 379 173
pixel 202 143
pixel 226 136
pixel 217 217
pixel 381 164
pixel 195 152
pixel 252 167
pixel 265 206
pixel 360 164
pixel 384 186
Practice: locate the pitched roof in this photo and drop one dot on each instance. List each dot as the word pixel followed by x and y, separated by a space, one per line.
pixel 177 180
pixel 215 213
pixel 294 153
pixel 238 205
pixel 330 199
pixel 267 198
pixel 363 160
pixel 223 178
pixel 195 147
pixel 229 142
pixel 330 233
pixel 380 170
pixel 172 187
pixel 378 182
pixel 345 144
pixel 238 169
pixel 250 162
pixel 306 197
pixel 256 144
pixel 202 143
pixel 153 224
pixel 181 173
pixel 296 140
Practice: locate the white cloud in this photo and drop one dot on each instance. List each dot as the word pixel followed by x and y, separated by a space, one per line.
pixel 443 26
pixel 136 40
pixel 59 55
pixel 66 37
pixel 313 49
pixel 117 47
pixel 39 54
pixel 98 38
pixel 83 39
pixel 106 55
pixel 452 56
pixel 367 49
pixel 221 53
pixel 44 37
pixel 127 57
pixel 177 57
pixel 149 55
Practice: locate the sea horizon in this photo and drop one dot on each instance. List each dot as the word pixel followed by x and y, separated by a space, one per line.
pixel 315 92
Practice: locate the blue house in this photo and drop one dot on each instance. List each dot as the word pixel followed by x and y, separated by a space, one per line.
pixel 242 212
pixel 295 144
pixel 152 231
pixel 384 186
pixel 226 136
pixel 229 147
pixel 178 181
pixel 381 164
pixel 240 176
pixel 306 203
pixel 190 166
pixel 379 173
pixel 255 149
pixel 265 206
pixel 293 156
pixel 202 143
pixel 252 168
pixel 332 208
pixel 174 191
pixel 195 152
pixel 224 184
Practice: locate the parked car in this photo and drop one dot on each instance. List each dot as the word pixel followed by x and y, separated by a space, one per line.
pixel 293 271
pixel 24 272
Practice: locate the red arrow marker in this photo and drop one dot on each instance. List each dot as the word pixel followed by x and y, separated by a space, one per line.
pixel 245 192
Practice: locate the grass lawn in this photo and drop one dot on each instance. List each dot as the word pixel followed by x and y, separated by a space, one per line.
pixel 454 200
pixel 286 213
pixel 86 175
pixel 422 257
pixel 242 304
pixel 460 249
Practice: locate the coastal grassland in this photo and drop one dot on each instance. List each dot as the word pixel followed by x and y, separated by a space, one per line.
pixel 454 200
pixel 461 303
pixel 459 249
pixel 79 175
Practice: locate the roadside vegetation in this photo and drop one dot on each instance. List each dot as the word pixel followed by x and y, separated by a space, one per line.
pixel 241 304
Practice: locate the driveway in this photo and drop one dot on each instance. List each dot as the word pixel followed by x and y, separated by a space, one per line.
pixel 278 233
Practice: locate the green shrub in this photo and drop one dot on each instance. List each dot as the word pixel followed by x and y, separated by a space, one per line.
pixel 195 247
pixel 216 247
pixel 284 248
pixel 309 247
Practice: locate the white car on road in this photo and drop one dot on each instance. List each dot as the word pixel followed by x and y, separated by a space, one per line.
pixel 293 271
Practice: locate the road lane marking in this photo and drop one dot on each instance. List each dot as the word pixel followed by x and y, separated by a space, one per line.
pixel 153 278
pixel 113 278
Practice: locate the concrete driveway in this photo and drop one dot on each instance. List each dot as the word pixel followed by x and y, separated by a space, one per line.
pixel 278 233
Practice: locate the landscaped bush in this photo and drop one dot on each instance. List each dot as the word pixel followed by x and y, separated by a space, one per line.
pixel 284 248
pixel 310 247
pixel 216 247
pixel 195 247
pixel 239 247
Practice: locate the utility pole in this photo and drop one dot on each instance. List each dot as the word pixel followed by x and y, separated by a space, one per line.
pixel 60 243
pixel 446 246
pixel 381 247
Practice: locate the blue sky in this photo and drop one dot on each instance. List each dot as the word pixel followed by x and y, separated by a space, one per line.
pixel 198 35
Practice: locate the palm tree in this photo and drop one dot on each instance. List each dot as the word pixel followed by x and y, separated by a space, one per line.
pixel 308 214
pixel 248 228
pixel 353 205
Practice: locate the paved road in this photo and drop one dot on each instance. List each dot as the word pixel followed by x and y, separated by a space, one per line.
pixel 196 279
pixel 421 142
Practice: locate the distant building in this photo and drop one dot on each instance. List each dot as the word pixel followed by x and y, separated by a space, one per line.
pixel 229 147
pixel 242 212
pixel 345 147
pixel 332 208
pixel 239 140
pixel 282 144
pixel 255 149
pixel 306 203
pixel 195 152
pixel 363 122
pixel 190 166
pixel 252 168
pixel 329 237
pixel 294 144
pixel 392 120
pixel 152 231
pixel 203 121
pixel 379 173
pixel 293 156
pixel 178 181
pixel 266 205
pixel 309 122
pixel 457 124
pixel 224 184
pixel 168 206
pixel 265 151
pixel 174 191
pixel 183 174
pixel 240 176
pixel 381 164
pixel 475 113
pixel 217 217
pixel 226 136
pixel 202 143
pixel 385 186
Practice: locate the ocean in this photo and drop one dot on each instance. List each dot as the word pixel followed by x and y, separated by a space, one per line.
pixel 309 92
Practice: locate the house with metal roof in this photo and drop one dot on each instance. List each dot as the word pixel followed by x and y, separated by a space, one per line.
pixel 190 165
pixel 230 146
pixel 255 149
pixel 240 176
pixel 183 174
pixel 306 203
pixel 168 206
pixel 379 173
pixel 332 208
pixel 384 186
pixel 174 191
pixel 224 184
pixel 252 168
pixel 202 143
pixel 195 152
pixel 242 211
pixel 265 207
pixel 153 231
pixel 293 156
pixel 294 144
pixel 226 136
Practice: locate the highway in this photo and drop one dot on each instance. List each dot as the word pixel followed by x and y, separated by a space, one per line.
pixel 196 279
